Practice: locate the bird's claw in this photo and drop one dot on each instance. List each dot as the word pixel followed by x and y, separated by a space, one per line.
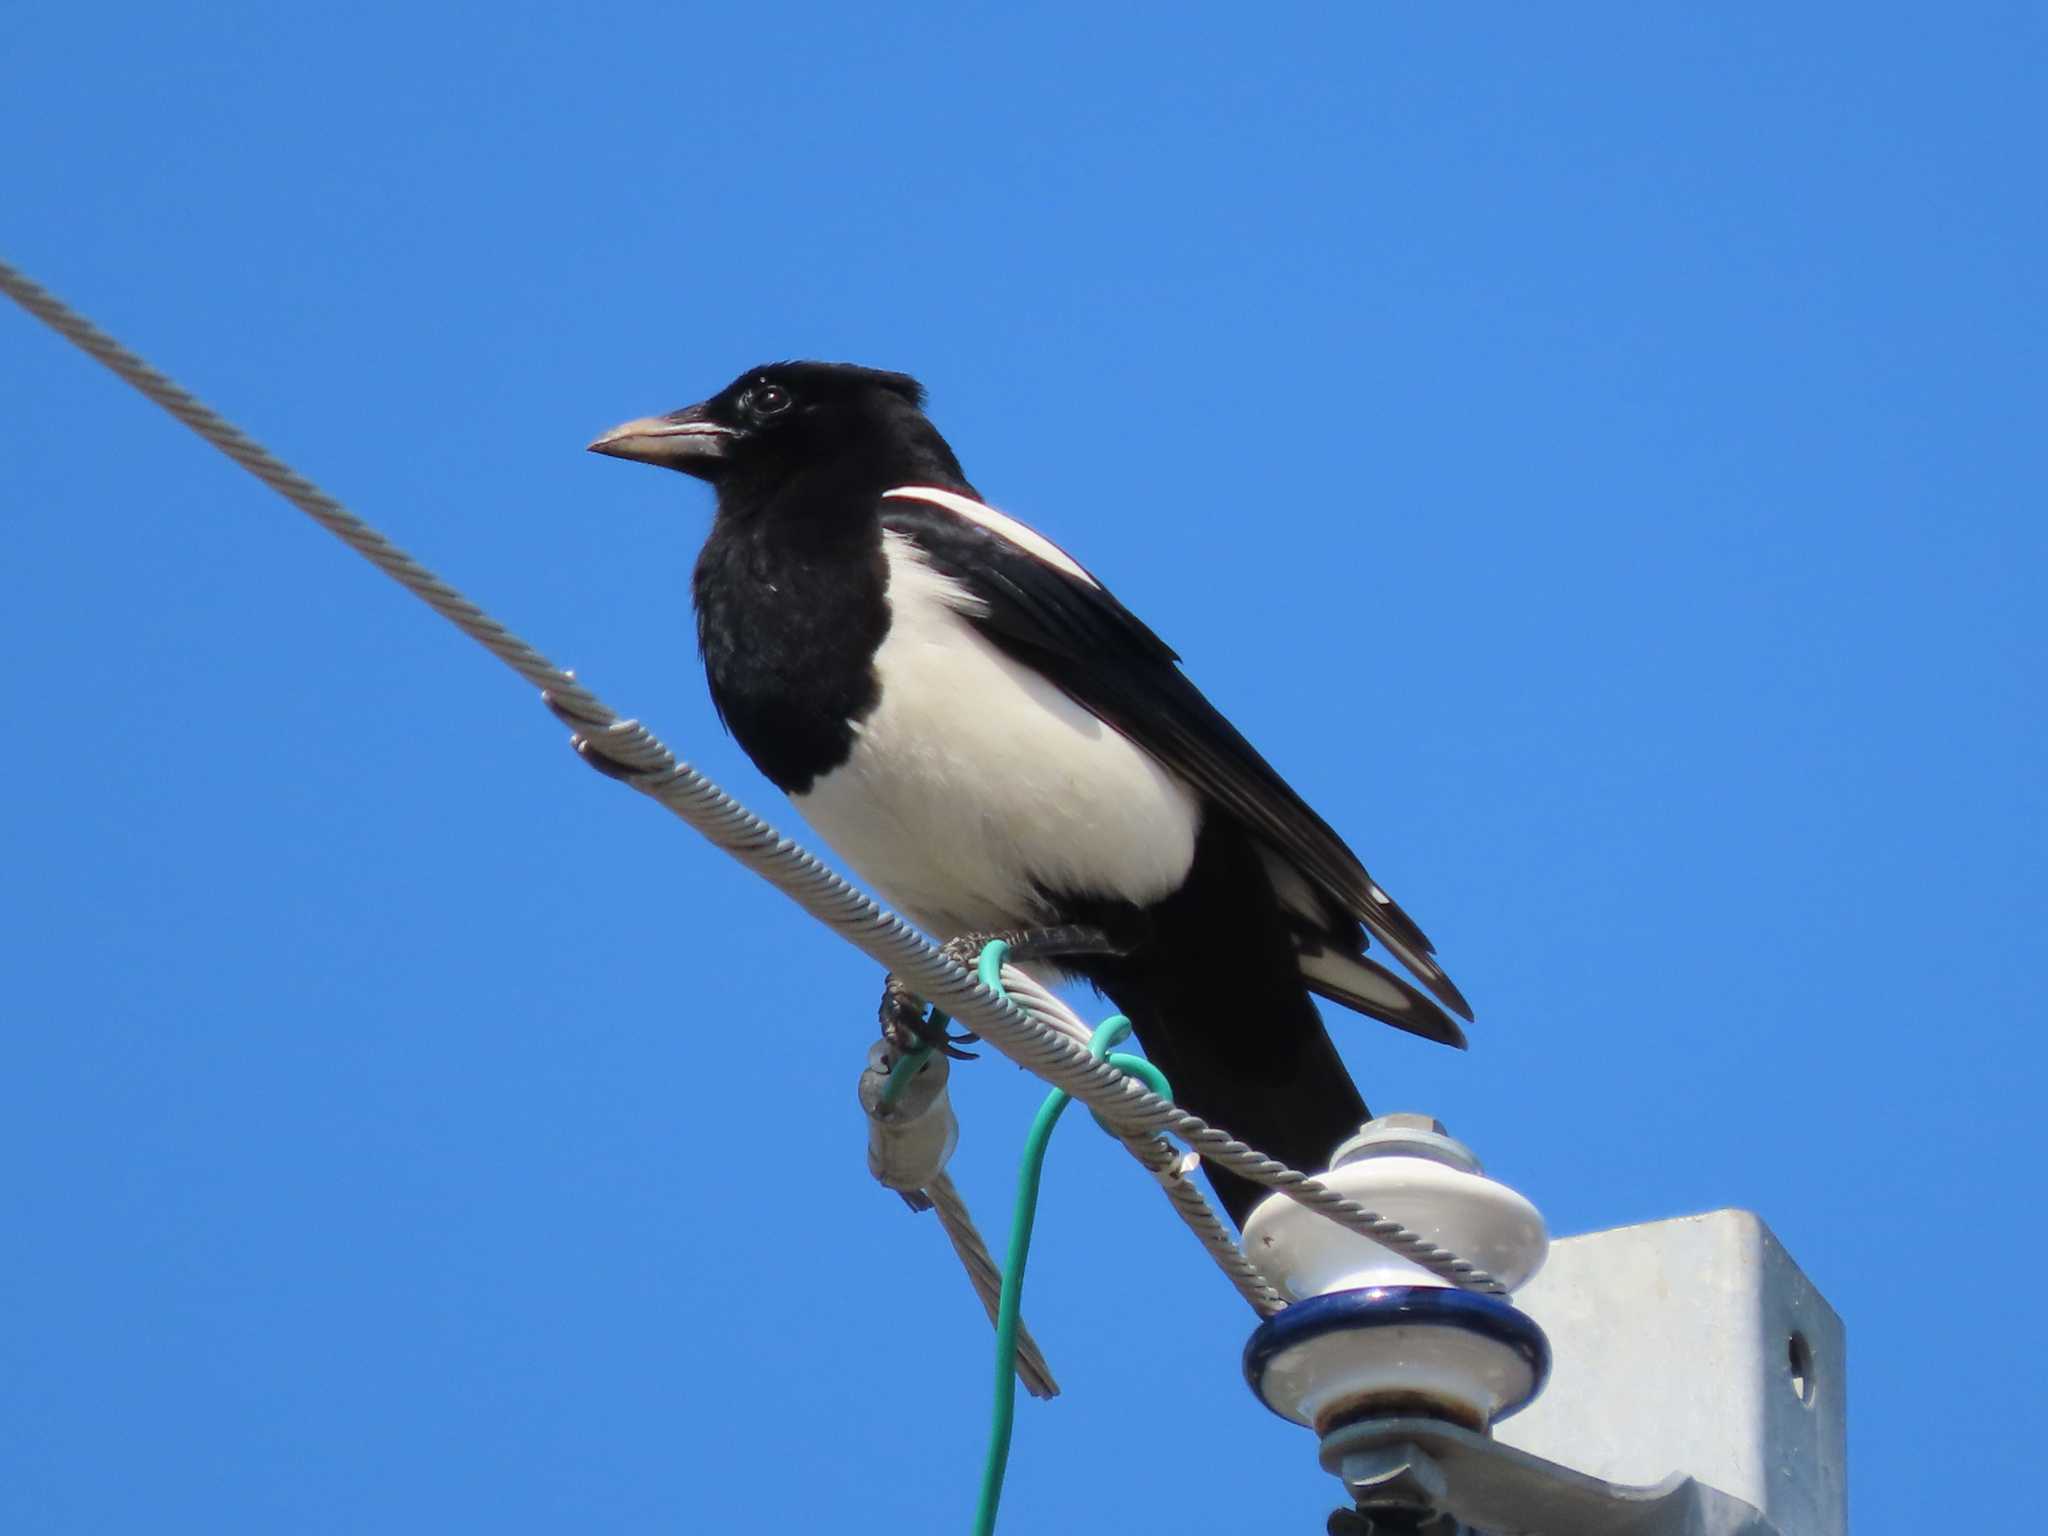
pixel 965 949
pixel 908 1026
pixel 1051 943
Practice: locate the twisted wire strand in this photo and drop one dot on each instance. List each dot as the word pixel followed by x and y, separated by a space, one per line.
pixel 1157 1157
pixel 987 1279
pixel 658 773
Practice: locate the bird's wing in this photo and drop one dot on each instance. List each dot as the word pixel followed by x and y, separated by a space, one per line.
pixel 1043 609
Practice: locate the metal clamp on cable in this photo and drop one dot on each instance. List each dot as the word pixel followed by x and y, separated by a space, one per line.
pixel 911 1135
pixel 911 1129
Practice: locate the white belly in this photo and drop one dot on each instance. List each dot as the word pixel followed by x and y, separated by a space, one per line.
pixel 975 783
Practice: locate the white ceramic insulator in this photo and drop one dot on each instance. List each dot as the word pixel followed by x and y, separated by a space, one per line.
pixel 1303 1254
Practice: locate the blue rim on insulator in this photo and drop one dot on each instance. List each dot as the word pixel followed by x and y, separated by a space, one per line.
pixel 1388 1306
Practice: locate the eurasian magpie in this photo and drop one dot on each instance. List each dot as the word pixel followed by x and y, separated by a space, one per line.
pixel 1000 747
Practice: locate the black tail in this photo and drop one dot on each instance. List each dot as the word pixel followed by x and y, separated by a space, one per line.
pixel 1216 996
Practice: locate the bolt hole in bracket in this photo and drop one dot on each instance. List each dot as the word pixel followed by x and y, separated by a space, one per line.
pixel 1799 1367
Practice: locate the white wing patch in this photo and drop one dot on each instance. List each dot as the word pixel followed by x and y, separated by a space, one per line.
pixel 1346 974
pixel 1330 968
pixel 975 783
pixel 1000 524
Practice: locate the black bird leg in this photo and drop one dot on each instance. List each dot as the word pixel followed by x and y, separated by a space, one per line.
pixel 908 1027
pixel 905 1024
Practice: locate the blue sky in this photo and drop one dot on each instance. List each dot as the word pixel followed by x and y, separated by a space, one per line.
pixel 1596 455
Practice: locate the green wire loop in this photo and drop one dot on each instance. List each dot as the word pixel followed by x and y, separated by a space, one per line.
pixel 1010 1305
pixel 1023 1217
pixel 908 1065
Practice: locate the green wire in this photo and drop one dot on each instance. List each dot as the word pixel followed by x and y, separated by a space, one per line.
pixel 1022 1218
pixel 909 1064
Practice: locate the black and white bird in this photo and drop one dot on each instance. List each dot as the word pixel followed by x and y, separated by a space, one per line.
pixel 998 745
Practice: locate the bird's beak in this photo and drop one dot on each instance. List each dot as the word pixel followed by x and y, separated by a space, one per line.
pixel 683 440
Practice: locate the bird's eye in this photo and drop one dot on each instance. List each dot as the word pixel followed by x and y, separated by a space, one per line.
pixel 769 400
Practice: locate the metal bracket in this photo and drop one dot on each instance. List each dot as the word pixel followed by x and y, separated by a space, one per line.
pixel 1429 1476
pixel 1694 1344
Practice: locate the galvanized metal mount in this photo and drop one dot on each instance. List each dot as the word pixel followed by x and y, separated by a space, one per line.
pixel 1694 1345
pixel 1423 1477
pixel 1700 1389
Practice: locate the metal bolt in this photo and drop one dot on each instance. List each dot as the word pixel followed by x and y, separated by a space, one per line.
pixel 1406 1135
pixel 1383 1522
pixel 1404 1121
pixel 1398 1476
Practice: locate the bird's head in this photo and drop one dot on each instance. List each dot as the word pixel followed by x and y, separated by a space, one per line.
pixel 783 420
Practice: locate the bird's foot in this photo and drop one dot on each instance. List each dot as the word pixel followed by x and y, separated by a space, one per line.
pixel 1055 942
pixel 906 1023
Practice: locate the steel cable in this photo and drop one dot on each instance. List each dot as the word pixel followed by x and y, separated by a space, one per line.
pixel 1127 1106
